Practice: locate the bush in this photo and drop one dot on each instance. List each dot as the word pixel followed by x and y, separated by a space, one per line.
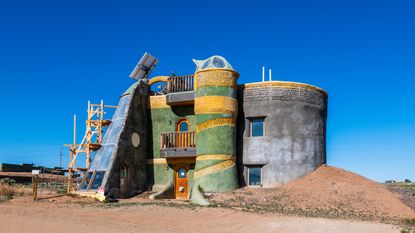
pixel 6 188
pixel 408 181
pixel 410 221
pixel 8 181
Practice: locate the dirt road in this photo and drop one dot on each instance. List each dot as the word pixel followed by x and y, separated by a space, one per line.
pixel 23 215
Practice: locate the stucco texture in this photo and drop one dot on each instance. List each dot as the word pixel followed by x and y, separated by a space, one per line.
pixel 215 103
pixel 294 143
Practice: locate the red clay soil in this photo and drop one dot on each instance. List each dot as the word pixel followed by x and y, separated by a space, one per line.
pixel 327 192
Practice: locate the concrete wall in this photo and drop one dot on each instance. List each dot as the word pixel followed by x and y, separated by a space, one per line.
pixel 294 144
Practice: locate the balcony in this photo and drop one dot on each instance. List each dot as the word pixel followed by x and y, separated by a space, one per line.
pixel 178 144
pixel 180 90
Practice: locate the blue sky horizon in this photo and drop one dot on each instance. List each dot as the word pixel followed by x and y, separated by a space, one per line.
pixel 360 52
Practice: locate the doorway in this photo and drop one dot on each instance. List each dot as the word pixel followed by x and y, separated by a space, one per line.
pixel 123 179
pixel 183 139
pixel 181 181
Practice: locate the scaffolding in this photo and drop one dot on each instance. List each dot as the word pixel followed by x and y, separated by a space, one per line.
pixel 96 126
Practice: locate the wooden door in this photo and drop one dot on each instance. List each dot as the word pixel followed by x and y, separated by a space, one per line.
pixel 181 182
pixel 123 179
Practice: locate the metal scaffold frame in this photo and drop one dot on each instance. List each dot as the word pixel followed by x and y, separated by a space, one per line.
pixel 91 142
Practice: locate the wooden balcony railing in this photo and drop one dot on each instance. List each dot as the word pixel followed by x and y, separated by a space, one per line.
pixel 180 83
pixel 176 140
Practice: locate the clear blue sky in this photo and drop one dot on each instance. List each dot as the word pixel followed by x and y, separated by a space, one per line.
pixel 57 55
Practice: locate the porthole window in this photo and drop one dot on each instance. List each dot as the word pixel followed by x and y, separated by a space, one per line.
pixel 135 140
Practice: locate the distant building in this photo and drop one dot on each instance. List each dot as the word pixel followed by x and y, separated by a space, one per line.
pixel 26 167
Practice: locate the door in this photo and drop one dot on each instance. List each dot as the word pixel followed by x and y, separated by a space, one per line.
pixel 181 182
pixel 123 179
pixel 183 139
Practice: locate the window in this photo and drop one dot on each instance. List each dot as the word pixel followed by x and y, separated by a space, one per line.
pixel 257 127
pixel 183 126
pixel 254 176
pixel 124 171
pixel 182 173
pixel 99 176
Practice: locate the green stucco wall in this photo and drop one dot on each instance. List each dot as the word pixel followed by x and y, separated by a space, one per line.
pixel 217 140
pixel 164 120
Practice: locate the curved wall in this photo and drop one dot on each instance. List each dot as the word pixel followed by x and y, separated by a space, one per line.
pixel 215 113
pixel 294 143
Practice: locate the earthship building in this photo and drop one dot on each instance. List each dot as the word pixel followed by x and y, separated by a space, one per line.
pixel 183 136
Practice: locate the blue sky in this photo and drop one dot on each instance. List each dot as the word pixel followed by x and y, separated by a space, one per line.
pixel 57 55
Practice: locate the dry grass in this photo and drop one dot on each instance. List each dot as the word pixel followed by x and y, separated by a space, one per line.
pixel 6 189
pixel 9 189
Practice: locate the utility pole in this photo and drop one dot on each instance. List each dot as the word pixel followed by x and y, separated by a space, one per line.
pixel 60 157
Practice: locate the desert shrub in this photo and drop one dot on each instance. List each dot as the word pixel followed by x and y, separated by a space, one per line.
pixel 410 221
pixel 408 181
pixel 8 181
pixel 6 188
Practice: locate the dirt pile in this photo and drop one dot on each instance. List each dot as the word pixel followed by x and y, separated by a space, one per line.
pixel 327 192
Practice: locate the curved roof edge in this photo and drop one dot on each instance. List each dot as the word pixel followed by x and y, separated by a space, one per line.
pixel 284 84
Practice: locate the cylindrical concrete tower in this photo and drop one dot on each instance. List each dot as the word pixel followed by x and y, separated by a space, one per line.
pixel 216 109
pixel 292 141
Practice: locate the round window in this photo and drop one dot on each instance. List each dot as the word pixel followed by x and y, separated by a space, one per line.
pixel 135 140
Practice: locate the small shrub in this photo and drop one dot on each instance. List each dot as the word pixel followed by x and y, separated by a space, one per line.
pixel 410 221
pixel 6 188
pixel 408 181
pixel 7 180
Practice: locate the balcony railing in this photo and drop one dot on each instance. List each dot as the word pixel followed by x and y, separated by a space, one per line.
pixel 177 140
pixel 180 83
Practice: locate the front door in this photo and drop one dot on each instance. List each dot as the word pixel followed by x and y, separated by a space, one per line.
pixel 181 182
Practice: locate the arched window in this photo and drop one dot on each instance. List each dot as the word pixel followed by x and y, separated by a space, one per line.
pixel 182 126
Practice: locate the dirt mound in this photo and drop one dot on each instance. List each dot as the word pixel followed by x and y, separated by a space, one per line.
pixel 327 192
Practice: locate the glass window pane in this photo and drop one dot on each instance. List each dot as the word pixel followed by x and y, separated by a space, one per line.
pixel 257 127
pixel 123 171
pixel 99 176
pixel 254 176
pixel 96 183
pixel 183 127
pixel 85 183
